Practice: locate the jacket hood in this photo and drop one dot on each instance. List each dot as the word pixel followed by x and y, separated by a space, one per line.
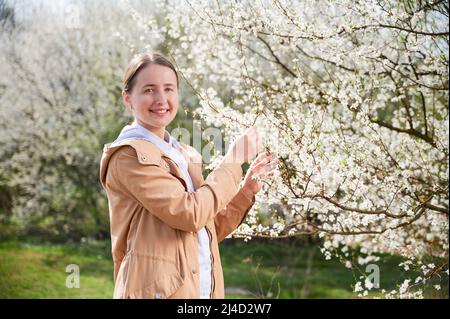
pixel 145 150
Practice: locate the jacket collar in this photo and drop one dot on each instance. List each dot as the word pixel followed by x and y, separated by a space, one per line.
pixel 168 146
pixel 147 153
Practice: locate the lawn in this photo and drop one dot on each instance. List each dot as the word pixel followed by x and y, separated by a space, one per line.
pixel 251 270
pixel 291 271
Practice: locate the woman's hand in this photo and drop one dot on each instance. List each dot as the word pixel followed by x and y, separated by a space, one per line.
pixel 260 169
pixel 245 147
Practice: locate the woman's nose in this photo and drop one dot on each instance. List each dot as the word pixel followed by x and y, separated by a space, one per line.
pixel 159 97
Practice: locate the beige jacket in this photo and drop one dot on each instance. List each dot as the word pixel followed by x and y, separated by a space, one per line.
pixel 154 220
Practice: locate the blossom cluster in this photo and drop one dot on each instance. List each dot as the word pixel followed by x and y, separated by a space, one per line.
pixel 352 98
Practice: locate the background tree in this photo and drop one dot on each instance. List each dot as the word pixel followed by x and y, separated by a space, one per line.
pixel 61 66
pixel 354 98
pixel 60 103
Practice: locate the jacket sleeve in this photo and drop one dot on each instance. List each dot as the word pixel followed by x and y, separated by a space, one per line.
pixel 164 196
pixel 229 218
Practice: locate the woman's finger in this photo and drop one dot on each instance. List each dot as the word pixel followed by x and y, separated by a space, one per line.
pixel 266 164
pixel 261 157
pixel 258 166
pixel 262 175
pixel 263 171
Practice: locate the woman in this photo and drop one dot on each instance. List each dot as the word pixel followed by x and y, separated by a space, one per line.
pixel 166 220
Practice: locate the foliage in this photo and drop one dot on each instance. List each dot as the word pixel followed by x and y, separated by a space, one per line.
pixel 353 97
pixel 60 103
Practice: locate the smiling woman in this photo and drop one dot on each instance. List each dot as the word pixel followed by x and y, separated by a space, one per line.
pixel 166 220
pixel 150 91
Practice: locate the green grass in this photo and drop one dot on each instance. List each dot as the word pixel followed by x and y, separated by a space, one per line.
pixel 261 269
pixel 39 271
pixel 291 271
pixel 270 270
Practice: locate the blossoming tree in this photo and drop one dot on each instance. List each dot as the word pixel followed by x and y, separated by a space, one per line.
pixel 353 97
pixel 60 102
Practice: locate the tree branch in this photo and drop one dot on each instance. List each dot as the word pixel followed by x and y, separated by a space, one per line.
pixel 412 132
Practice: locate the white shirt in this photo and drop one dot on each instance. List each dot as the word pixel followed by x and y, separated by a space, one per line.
pixel 204 259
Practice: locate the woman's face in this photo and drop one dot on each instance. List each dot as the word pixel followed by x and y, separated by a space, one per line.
pixel 154 98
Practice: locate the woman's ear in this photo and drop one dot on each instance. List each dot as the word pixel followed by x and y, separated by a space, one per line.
pixel 126 100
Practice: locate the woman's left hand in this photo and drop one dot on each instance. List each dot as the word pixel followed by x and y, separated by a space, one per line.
pixel 259 169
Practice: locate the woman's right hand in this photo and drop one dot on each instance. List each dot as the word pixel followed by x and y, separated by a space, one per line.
pixel 245 147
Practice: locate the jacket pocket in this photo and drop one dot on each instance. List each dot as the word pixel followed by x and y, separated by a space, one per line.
pixel 151 277
pixel 161 288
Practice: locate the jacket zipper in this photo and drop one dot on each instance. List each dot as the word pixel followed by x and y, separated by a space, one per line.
pixel 213 283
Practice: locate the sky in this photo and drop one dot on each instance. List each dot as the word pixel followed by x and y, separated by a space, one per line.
pixel 27 8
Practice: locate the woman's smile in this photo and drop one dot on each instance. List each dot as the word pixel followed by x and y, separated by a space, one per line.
pixel 160 111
